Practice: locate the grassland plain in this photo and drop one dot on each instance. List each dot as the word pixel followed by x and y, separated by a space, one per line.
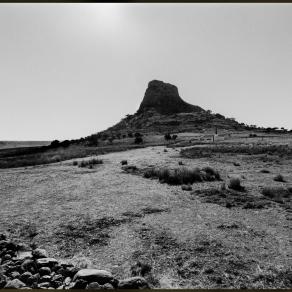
pixel 107 218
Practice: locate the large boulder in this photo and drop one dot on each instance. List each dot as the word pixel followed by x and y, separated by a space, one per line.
pixel 94 275
pixel 14 284
pixel 46 262
pixel 39 253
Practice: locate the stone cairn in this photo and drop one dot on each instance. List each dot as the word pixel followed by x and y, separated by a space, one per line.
pixel 21 268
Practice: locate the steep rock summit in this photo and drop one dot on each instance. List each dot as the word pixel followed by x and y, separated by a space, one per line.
pixel 165 99
pixel 162 110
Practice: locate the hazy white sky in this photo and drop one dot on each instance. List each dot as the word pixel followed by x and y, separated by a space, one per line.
pixel 69 70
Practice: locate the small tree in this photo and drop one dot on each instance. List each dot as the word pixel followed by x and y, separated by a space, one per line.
pixel 138 140
pixel 167 137
pixel 137 135
pixel 174 137
pixel 65 143
pixel 55 143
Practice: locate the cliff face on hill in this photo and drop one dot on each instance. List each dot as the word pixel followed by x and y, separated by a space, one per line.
pixel 165 99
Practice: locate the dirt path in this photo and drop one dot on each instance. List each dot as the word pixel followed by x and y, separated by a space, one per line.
pixel 48 197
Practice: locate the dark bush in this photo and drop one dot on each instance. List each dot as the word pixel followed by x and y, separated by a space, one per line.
pixel 55 143
pixel 65 143
pixel 279 178
pixel 167 137
pixel 138 140
pixel 137 135
pixel 124 162
pixel 276 194
pixel 90 163
pixel 234 184
pixel 182 175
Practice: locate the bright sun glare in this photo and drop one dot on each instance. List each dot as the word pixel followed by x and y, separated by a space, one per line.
pixel 108 13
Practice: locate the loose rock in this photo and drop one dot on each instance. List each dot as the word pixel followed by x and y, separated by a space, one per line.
pixel 94 275
pixel 133 283
pixel 14 284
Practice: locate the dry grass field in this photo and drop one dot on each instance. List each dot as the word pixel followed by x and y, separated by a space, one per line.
pixel 213 236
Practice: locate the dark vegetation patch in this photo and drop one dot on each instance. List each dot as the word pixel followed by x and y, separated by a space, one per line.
pixel 80 232
pixel 235 184
pixel 89 163
pixel 202 263
pixel 265 171
pixel 182 176
pixel 144 211
pixel 279 178
pixel 30 156
pixel 130 168
pixel 152 210
pixel 209 151
pixel 230 198
pixel 280 195
pixel 228 226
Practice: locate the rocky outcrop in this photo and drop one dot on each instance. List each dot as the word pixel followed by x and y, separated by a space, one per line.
pixel 21 268
pixel 164 98
pixel 162 110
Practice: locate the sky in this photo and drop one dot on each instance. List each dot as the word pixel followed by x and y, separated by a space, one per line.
pixel 70 70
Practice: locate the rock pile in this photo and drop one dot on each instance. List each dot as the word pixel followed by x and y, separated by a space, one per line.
pixel 21 268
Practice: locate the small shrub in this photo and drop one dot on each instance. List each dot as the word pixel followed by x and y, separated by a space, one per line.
pixel 180 163
pixel 138 135
pixel 265 171
pixel 130 168
pixel 223 187
pixel 180 176
pixel 124 162
pixel 83 163
pixel 75 163
pixel 276 193
pixel 279 178
pixel 138 140
pixel 186 188
pixel 211 174
pixel 95 161
pixel 165 150
pixel 90 163
pixel 167 137
pixel 163 174
pixel 152 172
pixel 236 164
pixel 234 184
pixel 55 143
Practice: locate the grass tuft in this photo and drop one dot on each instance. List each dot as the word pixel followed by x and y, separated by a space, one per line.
pixel 235 184
pixel 279 178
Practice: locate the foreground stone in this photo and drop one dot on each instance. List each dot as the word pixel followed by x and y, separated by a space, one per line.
pixel 27 269
pixel 14 284
pixel 94 275
pixel 133 283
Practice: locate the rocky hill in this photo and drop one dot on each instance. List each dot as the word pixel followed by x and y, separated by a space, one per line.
pixel 163 110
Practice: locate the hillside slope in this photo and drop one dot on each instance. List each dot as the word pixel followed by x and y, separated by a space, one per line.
pixel 163 110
